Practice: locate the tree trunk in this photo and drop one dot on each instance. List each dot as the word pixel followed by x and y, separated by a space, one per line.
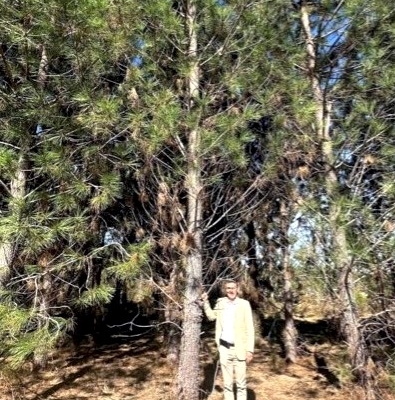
pixel 172 333
pixel 6 255
pixel 17 193
pixel 348 314
pixel 188 374
pixel 173 317
pixel 290 333
pixel 190 342
pixel 349 322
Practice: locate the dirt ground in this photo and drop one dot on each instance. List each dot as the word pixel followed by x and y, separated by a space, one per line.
pixel 136 370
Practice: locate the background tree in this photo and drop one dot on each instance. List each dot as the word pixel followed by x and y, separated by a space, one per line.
pixel 336 55
pixel 54 104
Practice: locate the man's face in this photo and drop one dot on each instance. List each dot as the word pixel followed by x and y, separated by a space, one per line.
pixel 231 290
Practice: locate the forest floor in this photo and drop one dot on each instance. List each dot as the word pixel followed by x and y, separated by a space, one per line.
pixel 137 370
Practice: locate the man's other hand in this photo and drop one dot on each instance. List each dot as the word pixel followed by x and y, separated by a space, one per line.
pixel 249 357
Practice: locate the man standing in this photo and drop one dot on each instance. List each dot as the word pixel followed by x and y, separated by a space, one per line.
pixel 234 336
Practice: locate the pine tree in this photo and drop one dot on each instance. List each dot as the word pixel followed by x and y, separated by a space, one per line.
pixel 336 55
pixel 63 126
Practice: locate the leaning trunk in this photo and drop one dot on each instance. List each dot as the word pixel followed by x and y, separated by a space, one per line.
pixel 188 374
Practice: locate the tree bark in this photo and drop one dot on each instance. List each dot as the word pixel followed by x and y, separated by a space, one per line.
pixel 172 333
pixel 188 376
pixel 17 193
pixel 290 333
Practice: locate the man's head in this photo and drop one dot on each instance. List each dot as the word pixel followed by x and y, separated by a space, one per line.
pixel 231 289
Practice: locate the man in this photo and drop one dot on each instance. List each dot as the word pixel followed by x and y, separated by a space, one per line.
pixel 234 336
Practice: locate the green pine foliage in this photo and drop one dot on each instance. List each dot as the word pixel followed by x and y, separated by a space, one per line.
pixel 25 333
pixel 14 319
pixel 95 124
pixel 64 124
pixel 95 296
pixel 135 258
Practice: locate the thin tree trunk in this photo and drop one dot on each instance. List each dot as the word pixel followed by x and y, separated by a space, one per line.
pixel 172 333
pixel 349 323
pixel 348 314
pixel 6 256
pixel 44 285
pixel 17 193
pixel 40 356
pixel 290 333
pixel 188 375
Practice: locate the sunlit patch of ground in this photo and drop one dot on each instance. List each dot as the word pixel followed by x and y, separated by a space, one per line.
pixel 137 371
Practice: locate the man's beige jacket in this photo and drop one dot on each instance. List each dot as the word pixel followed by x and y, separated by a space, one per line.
pixel 244 324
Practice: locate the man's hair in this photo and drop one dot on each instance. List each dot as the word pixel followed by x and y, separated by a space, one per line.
pixel 229 280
